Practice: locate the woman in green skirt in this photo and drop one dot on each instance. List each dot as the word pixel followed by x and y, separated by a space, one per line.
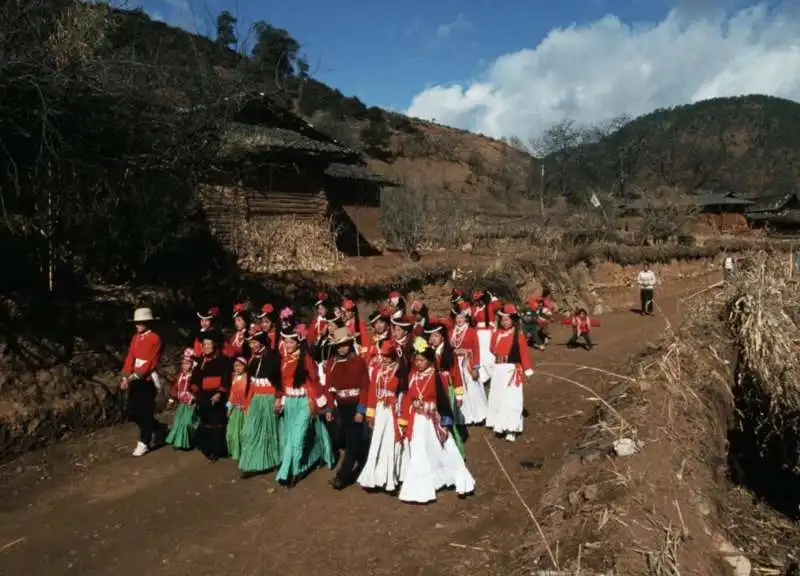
pixel 185 422
pixel 236 406
pixel 306 443
pixel 260 440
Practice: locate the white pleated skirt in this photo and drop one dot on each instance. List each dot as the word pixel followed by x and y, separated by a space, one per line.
pixel 487 358
pixel 382 468
pixel 505 400
pixel 430 465
pixel 475 405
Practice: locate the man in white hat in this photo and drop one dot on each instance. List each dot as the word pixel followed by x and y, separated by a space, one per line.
pixel 140 379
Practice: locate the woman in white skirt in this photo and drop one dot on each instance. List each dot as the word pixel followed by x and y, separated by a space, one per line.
pixel 432 461
pixel 483 314
pixel 512 367
pixel 464 340
pixel 382 469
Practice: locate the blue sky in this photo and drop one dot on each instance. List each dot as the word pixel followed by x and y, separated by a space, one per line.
pixel 511 67
pixel 386 52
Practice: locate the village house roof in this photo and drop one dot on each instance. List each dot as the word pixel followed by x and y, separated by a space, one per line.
pixel 772 203
pixel 238 139
pixel 354 172
pixel 720 199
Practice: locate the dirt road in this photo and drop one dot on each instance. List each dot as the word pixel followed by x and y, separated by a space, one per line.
pixel 87 507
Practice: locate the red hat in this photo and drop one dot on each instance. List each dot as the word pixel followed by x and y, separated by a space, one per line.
pixel 388 349
pixel 417 305
pixel 403 321
pixel 266 310
pixel 212 312
pixel 322 298
pixel 477 294
pixel 348 304
pixel 508 310
pixel 394 294
pixel 241 360
pixel 382 313
pixel 462 308
pixel 239 309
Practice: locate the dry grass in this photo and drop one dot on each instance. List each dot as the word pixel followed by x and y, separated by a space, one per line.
pixel 763 316
pixel 672 504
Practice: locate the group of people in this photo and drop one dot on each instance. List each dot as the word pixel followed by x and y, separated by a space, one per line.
pixel 394 395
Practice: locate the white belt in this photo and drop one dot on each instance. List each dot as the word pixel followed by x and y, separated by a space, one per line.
pixel 351 393
pixel 386 394
pixel 261 382
pixel 295 392
pixel 423 406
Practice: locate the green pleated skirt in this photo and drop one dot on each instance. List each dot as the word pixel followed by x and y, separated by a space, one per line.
pixel 261 436
pixel 457 420
pixel 233 432
pixel 306 443
pixel 181 434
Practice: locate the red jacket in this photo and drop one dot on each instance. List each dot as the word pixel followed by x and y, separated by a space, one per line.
pixel 501 344
pixel 466 345
pixel 310 388
pixel 383 388
pixel 143 355
pixel 179 390
pixel 581 325
pixel 347 380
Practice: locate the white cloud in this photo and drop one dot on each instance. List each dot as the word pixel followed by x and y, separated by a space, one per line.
pixel 460 23
pixel 595 72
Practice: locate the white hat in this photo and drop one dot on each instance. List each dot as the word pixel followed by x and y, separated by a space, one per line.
pixel 143 315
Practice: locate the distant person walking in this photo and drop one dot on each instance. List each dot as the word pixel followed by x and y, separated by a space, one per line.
pixel 647 283
pixel 728 268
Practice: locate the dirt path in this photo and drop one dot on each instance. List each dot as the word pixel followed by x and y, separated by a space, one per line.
pixel 87 507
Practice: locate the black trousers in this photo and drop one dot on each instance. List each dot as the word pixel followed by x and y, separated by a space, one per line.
pixel 573 341
pixel 352 438
pixel 646 297
pixel 213 418
pixel 142 408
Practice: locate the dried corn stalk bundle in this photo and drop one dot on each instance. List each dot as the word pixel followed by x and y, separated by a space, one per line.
pixel 284 243
pixel 763 316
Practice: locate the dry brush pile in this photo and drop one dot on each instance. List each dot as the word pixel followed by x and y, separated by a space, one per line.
pixel 673 507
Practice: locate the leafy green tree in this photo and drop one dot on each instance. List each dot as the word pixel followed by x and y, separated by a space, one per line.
pixel 226 29
pixel 276 50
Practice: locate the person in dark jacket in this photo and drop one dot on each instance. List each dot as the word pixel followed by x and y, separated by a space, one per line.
pixel 211 383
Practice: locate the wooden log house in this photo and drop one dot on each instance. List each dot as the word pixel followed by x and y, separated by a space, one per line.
pixel 275 171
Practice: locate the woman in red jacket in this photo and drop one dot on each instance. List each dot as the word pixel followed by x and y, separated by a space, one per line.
pixel 512 368
pixel 484 307
pixel 464 340
pixel 306 443
pixel 431 459
pixel 382 468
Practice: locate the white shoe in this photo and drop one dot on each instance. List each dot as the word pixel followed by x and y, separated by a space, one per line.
pixel 511 437
pixel 141 449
